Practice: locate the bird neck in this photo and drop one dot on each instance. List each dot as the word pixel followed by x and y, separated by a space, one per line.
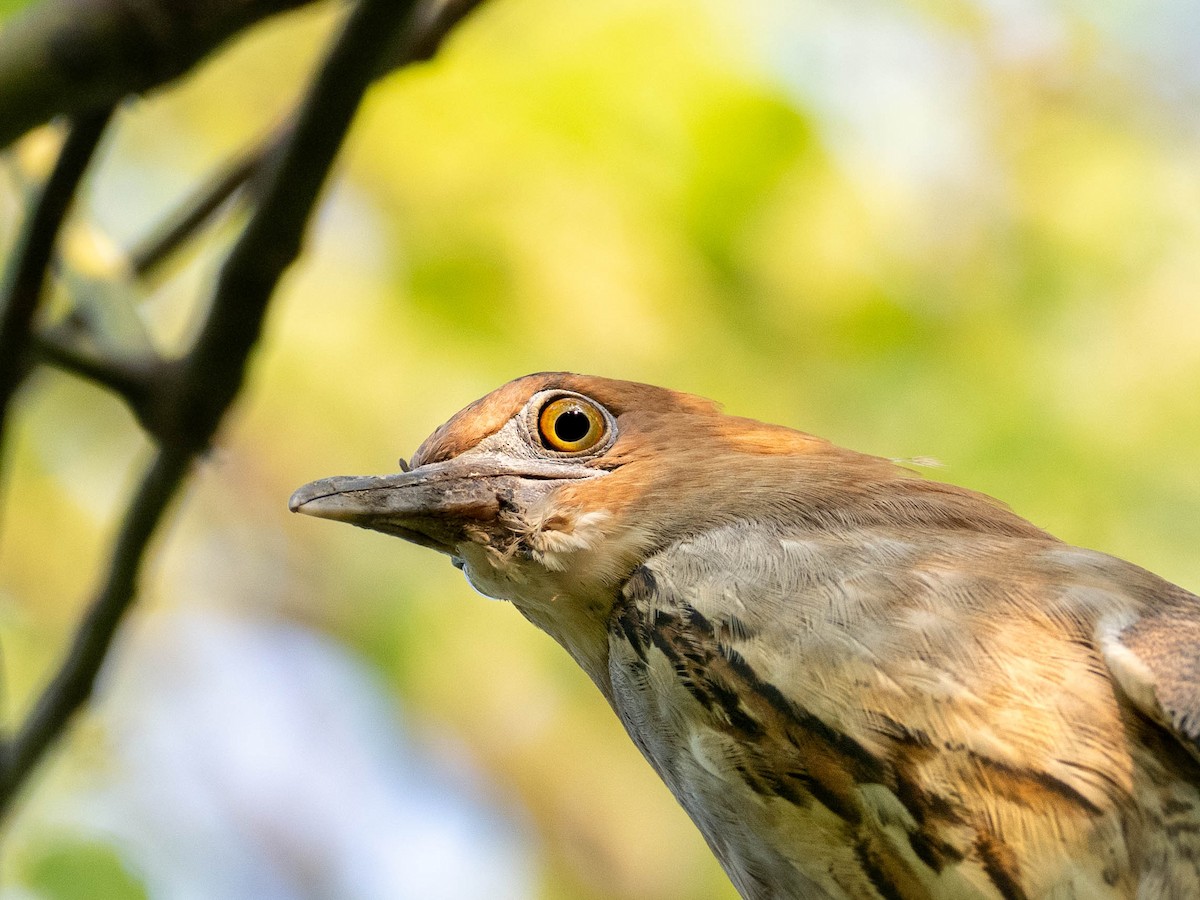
pixel 581 632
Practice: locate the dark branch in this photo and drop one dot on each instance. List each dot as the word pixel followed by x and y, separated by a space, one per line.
pixel 212 373
pixel 31 260
pixel 432 21
pixel 203 204
pixel 192 395
pixel 64 56
pixel 133 381
pixel 73 683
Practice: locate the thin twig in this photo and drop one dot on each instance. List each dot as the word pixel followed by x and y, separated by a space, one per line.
pixel 431 22
pixel 212 373
pixel 132 381
pixel 31 261
pixel 202 204
pixel 73 683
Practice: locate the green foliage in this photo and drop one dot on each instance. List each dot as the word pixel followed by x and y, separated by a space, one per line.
pixel 9 7
pixel 80 870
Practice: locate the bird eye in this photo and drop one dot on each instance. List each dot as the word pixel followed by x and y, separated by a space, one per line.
pixel 571 425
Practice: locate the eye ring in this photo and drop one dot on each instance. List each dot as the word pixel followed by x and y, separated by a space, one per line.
pixel 571 425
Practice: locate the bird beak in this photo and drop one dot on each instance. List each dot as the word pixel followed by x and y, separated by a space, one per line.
pixel 427 506
pixel 432 505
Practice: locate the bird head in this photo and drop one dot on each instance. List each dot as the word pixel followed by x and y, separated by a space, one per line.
pixel 552 489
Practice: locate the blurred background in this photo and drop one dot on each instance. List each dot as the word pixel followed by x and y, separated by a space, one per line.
pixel 959 229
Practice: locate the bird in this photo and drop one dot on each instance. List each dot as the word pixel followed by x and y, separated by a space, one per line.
pixel 859 682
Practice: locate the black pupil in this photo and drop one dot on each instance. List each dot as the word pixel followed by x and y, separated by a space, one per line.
pixel 572 426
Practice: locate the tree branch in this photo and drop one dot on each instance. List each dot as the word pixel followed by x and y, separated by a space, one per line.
pixel 432 21
pixel 133 381
pixel 212 373
pixel 203 203
pixel 72 685
pixel 31 261
pixel 193 394
pixel 65 56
